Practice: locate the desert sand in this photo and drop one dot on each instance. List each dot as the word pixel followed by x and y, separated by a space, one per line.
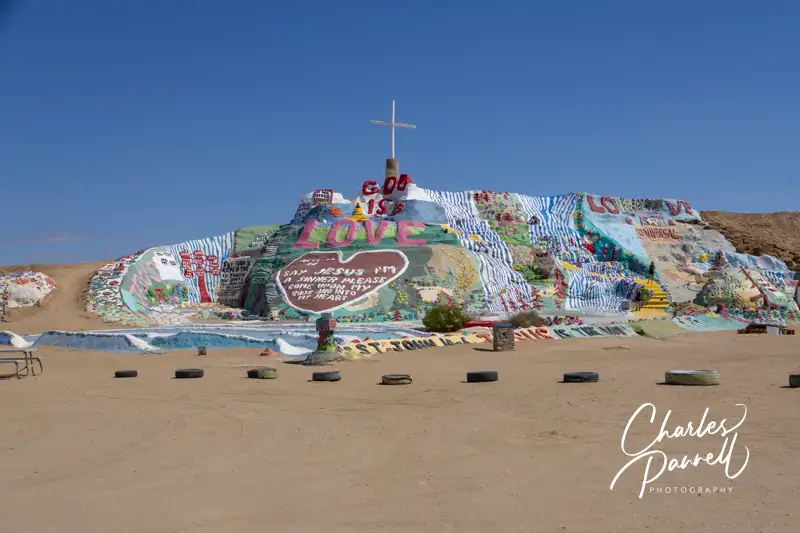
pixel 81 451
pixel 65 308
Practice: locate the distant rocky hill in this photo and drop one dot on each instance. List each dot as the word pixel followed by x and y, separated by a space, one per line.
pixel 776 234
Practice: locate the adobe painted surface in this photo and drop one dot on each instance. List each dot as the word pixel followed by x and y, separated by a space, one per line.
pixel 396 250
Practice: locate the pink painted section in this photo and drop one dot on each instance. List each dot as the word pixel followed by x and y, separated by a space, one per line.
pixel 375 236
pixel 675 210
pixel 351 233
pixel 593 206
pixel 303 242
pixel 144 276
pixel 403 231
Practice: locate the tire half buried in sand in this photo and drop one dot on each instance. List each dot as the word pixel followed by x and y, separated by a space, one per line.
pixel 262 373
pixel 483 376
pixel 692 377
pixel 326 376
pixel 396 379
pixel 581 377
pixel 189 373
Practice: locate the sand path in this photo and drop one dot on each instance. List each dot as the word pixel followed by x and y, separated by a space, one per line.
pixel 80 451
pixel 64 308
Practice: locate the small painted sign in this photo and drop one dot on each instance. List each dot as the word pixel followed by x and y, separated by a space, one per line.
pixel 585 332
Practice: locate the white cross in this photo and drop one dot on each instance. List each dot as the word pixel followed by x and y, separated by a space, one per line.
pixel 393 125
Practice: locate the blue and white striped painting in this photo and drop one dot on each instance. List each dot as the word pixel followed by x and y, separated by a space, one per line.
pixel 551 218
pixel 591 291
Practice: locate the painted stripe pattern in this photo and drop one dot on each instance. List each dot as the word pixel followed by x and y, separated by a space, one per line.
pixel 505 288
pixel 593 285
pixel 707 323
pixel 590 291
pixel 774 277
pixel 555 224
pixel 219 246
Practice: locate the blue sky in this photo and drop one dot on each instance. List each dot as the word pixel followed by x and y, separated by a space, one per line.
pixel 130 124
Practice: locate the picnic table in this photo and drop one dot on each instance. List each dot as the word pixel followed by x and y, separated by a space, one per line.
pixel 27 360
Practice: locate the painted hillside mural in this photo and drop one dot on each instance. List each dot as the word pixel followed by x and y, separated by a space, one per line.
pixel 396 249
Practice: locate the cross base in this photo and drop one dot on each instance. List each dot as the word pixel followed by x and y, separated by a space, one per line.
pixel 392 167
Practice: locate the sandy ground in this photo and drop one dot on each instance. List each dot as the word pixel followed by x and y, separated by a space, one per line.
pixel 81 451
pixel 64 308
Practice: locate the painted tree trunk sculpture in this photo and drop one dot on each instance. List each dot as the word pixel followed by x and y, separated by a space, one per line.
pixel 197 264
pixel 762 297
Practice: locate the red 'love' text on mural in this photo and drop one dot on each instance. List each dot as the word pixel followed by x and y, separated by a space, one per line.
pixel 373 234
pixel 609 205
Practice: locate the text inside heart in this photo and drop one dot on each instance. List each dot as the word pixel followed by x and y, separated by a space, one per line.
pixel 322 281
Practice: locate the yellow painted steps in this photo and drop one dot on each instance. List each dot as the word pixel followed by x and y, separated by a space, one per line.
pixel 659 301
